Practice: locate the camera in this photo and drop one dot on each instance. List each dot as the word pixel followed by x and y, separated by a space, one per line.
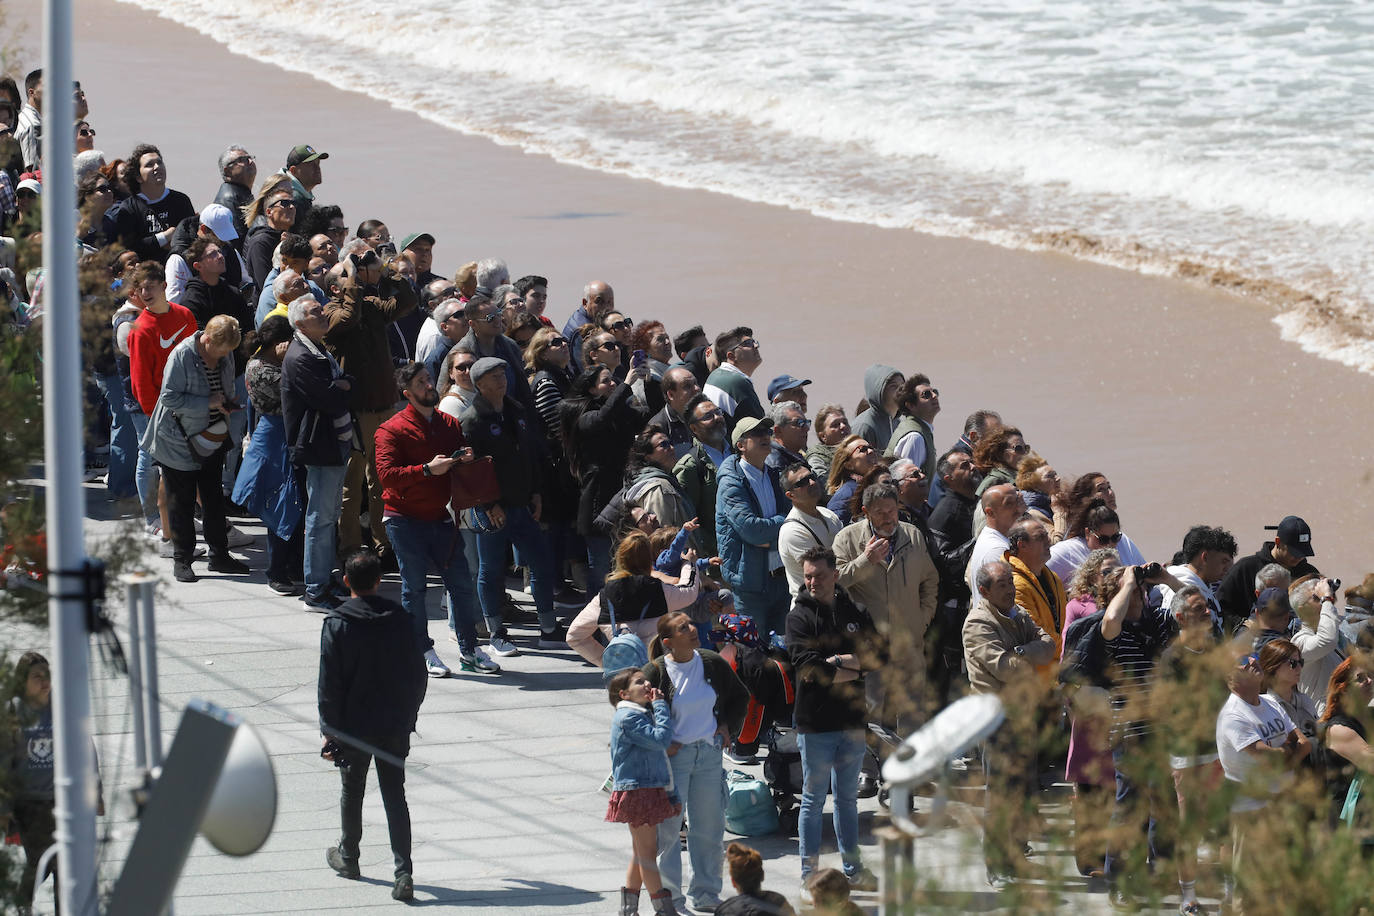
pixel 386 249
pixel 1148 571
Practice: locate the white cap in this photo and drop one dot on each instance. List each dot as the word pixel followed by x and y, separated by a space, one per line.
pixel 220 221
pixel 29 184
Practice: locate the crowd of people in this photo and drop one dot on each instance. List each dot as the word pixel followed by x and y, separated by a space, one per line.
pixel 266 361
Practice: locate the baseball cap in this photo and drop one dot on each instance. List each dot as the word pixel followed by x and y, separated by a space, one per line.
pixel 1294 533
pixel 1272 597
pixel 750 426
pixel 218 219
pixel 303 153
pixel 29 184
pixel 785 383
pixel 415 237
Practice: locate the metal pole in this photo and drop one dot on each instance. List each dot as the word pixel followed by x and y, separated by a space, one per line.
pixel 152 716
pixel 73 777
pixel 132 601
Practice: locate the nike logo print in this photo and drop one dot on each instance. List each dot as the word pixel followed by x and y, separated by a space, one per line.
pixel 168 341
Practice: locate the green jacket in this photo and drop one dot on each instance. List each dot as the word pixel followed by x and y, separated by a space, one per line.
pixel 696 474
pixel 910 425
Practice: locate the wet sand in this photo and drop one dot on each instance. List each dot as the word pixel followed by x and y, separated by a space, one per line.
pixel 1185 397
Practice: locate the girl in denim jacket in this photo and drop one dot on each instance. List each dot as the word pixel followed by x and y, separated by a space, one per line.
pixel 640 796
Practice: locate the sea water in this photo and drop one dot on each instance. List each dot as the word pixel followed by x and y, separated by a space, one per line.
pixel 1225 141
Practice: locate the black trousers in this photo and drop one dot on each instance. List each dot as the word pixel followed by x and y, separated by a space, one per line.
pixel 34 821
pixel 392 781
pixel 182 488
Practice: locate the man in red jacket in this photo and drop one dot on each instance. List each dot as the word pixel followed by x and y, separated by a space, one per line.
pixel 155 333
pixel 416 449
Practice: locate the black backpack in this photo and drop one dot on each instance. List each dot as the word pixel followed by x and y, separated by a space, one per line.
pixel 1085 653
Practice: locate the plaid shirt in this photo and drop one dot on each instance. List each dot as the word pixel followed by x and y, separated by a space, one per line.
pixel 9 204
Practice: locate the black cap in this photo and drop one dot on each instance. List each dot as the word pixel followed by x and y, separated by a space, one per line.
pixel 1294 533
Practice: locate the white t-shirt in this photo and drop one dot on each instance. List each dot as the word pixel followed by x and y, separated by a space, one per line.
pixel 989 546
pixel 1069 554
pixel 800 532
pixel 694 701
pixel 1240 725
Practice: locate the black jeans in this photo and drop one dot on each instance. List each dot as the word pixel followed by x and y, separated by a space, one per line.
pixel 182 487
pixel 286 558
pixel 392 781
pixel 34 821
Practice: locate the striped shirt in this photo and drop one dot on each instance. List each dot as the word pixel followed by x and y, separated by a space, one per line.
pixel 1131 661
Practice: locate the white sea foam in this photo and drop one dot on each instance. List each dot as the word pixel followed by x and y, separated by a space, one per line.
pixel 1216 139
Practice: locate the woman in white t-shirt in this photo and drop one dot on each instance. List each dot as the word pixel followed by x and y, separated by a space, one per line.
pixel 1093 527
pixel 708 702
pixel 1259 747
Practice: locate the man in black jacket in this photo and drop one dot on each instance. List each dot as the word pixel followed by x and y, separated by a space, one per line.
pixel 833 644
pixel 497 426
pixel 319 435
pixel 239 169
pixel 951 542
pixel 1291 549
pixel 372 682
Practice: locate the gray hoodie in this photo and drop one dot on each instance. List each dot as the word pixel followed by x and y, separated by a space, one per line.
pixel 874 424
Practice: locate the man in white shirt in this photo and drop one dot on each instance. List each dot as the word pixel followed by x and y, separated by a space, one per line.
pixel 808 525
pixel 1259 747
pixel 1210 553
pixel 1002 506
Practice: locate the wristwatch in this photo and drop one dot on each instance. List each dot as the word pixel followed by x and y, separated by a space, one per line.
pixel 425 468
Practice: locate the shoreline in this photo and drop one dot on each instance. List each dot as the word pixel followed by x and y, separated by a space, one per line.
pixel 1177 392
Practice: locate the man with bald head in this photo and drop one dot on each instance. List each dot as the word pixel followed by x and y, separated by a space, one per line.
pixel 598 300
pixel 1002 505
pixel 679 387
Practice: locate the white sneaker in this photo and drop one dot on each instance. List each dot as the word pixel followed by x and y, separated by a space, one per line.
pixel 503 647
pixel 433 666
pixel 478 662
pixel 239 537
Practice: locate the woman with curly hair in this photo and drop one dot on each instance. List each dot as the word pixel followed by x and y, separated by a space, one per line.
pixel 653 338
pixel 1347 719
pixel 996 456
pixel 1043 490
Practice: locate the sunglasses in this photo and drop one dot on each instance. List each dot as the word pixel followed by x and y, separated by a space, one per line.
pixel 102 189
pixel 1294 663
pixel 799 423
pixel 284 202
pixel 929 394
pixel 494 316
pixel 1108 538
pixel 86 132
pixel 664 444
pixel 464 367
pixel 809 477
pixel 608 345
pixel 336 230
pixel 1021 449
pixel 624 323
pixel 559 342
pixel 242 160
pixel 749 342
pixel 859 449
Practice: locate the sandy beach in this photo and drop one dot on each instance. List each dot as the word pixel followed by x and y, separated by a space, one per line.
pixel 1186 397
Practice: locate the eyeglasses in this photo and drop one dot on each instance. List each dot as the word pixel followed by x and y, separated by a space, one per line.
pixel 624 323
pixel 86 132
pixel 284 202
pixel 1294 662
pixel 799 423
pixel 243 160
pixel 929 394
pixel 809 477
pixel 558 342
pixel 1109 538
pixel 708 416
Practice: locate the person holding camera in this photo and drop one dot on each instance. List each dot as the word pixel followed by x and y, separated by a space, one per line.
pixel 371 685
pixel 416 450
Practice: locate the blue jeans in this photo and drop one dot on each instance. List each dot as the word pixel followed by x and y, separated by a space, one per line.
pixel 830 759
pixel 323 500
pixel 420 546
pixel 145 472
pixel 522 531
pixel 120 480
pixel 699 780
pixel 768 607
pixel 598 563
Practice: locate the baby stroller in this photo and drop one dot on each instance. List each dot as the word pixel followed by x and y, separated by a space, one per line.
pixel 767 673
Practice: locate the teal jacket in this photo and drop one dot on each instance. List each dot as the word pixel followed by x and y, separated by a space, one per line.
pixel 744 535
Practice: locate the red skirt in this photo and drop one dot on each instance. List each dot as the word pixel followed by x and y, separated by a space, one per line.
pixel 641 807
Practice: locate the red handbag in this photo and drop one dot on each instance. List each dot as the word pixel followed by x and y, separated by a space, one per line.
pixel 474 484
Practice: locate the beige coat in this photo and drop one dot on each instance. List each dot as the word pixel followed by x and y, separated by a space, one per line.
pixel 901 597
pixel 990 642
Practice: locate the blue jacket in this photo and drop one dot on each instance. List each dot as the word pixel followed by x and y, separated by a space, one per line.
pixel 639 746
pixel 743 534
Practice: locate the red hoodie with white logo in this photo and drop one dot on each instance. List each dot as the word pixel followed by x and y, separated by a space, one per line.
pixel 151 341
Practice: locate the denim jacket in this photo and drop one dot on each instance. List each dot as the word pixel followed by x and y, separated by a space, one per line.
pixel 639 746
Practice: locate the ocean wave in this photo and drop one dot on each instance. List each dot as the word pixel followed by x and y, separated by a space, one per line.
pixel 1206 185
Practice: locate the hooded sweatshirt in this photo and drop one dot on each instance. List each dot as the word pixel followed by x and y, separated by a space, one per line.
pixel 372 672
pixel 817 632
pixel 874 424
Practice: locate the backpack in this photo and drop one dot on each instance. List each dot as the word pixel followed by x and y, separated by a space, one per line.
pixel 749 808
pixel 1085 657
pixel 625 650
